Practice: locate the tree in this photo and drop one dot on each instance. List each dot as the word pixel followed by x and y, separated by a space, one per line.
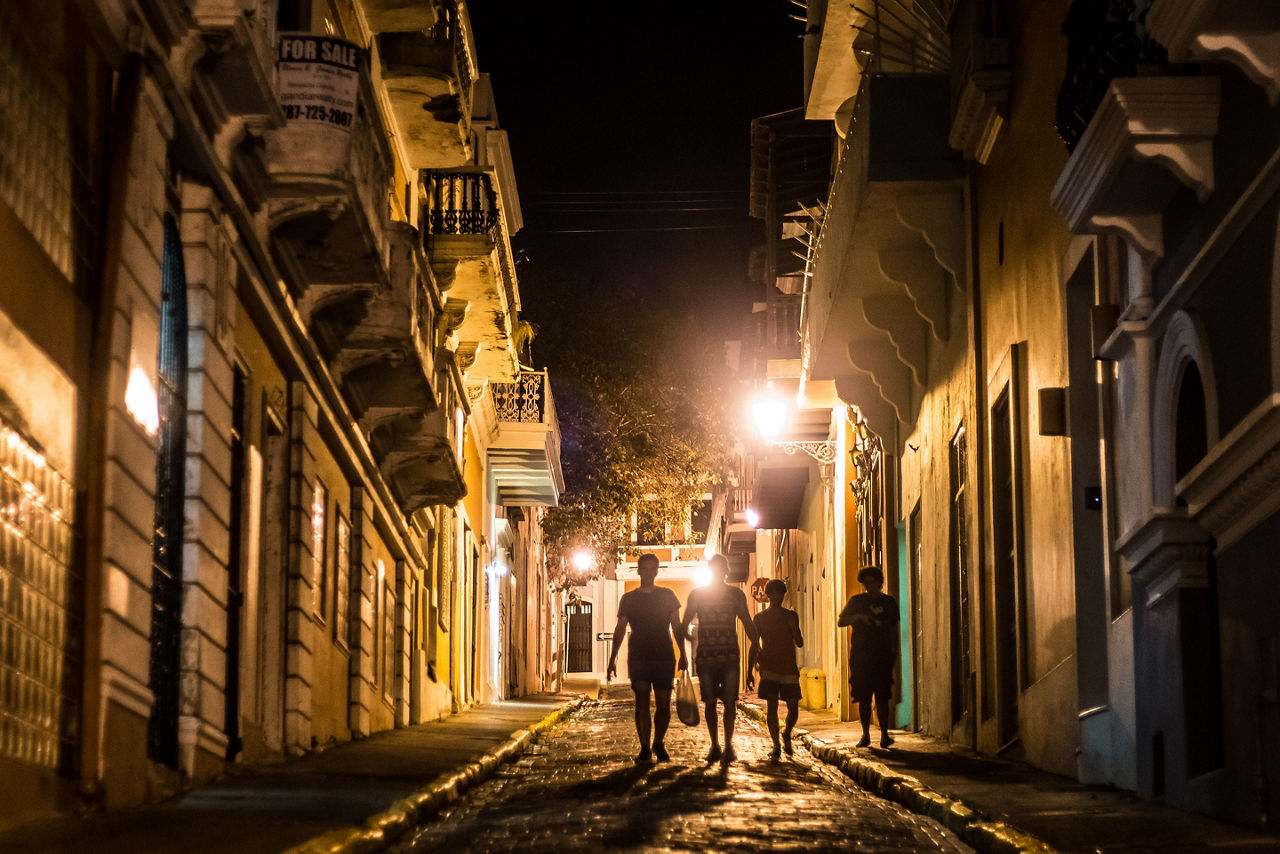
pixel 639 397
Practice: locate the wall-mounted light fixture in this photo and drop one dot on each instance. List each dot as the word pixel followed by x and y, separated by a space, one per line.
pixel 865 456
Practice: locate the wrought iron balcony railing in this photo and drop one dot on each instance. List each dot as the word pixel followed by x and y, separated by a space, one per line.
pixel 525 401
pixel 1105 39
pixel 461 203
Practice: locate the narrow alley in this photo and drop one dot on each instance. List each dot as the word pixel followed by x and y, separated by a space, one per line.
pixel 581 791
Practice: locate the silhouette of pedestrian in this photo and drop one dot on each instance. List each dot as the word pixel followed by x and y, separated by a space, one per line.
pixel 780 637
pixel 716 606
pixel 873 650
pixel 654 616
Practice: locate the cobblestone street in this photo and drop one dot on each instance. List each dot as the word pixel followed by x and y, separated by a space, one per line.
pixel 582 792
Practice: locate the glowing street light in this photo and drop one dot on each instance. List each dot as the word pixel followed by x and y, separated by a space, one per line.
pixel 702 576
pixel 583 561
pixel 753 518
pixel 771 415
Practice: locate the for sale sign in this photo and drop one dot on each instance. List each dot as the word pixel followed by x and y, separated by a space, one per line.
pixel 318 79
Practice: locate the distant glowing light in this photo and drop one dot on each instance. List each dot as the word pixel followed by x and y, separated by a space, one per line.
pixel 770 415
pixel 141 401
pixel 753 518
pixel 582 561
pixel 702 576
pixel 708 551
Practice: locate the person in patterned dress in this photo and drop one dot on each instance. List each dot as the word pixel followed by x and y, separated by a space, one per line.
pixel 717 607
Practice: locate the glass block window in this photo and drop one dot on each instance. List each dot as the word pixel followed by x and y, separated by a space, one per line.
pixel 39 177
pixel 35 604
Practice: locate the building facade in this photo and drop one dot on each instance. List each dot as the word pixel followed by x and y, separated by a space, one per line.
pixel 273 465
pixel 1039 306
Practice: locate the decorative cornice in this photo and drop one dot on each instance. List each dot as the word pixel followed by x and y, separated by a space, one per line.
pixel 1238 484
pixel 1222 30
pixel 1107 185
pixel 980 113
pixel 1166 552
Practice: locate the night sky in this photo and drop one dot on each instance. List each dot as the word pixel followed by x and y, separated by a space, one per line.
pixel 630 130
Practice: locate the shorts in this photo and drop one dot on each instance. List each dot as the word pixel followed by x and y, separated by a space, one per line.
pixel 719 679
pixel 660 674
pixel 773 690
pixel 866 684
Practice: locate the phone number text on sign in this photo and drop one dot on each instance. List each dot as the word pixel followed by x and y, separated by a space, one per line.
pixel 318 79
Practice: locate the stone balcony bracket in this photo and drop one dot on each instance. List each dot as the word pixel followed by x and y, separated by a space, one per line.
pixel 1149 135
pixel 235 75
pixel 924 281
pixel 1245 33
pixel 1167 552
pixel 937 215
pixel 896 315
pixel 980 113
pixel 878 360
pixel 452 315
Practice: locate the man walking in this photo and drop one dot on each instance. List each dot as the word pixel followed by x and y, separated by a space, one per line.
pixel 873 651
pixel 780 637
pixel 654 616
pixel 716 606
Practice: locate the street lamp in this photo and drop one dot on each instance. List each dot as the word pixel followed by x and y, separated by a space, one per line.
pixel 866 453
pixel 753 518
pixel 582 561
pixel 771 415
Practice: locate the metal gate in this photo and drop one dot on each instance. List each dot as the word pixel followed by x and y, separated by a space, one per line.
pixel 579 637
pixel 166 558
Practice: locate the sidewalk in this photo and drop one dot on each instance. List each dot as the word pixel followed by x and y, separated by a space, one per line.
pixel 1039 810
pixel 279 806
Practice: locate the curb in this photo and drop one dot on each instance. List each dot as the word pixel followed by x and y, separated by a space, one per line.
pixel 386 827
pixel 987 837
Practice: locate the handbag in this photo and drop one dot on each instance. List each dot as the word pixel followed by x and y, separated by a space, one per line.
pixel 686 700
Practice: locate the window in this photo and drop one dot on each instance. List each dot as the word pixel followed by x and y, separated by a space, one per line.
pixel 36 615
pixel 166 591
pixel 319 499
pixel 1191 434
pixel 388 630
pixel 446 563
pixel 342 582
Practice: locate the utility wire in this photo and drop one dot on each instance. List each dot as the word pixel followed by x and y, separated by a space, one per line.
pixel 622 230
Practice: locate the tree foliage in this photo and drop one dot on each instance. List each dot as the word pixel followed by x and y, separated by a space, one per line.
pixel 639 398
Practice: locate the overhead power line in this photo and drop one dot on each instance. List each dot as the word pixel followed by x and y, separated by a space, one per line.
pixel 637 228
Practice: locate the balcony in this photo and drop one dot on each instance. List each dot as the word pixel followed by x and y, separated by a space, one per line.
pixel 465 234
pixel 889 257
pixel 419 452
pixel 379 344
pixel 429 71
pixel 524 454
pixel 236 75
pixel 326 190
pixel 1136 141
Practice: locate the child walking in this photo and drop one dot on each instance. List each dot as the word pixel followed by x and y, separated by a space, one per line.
pixel 780 637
